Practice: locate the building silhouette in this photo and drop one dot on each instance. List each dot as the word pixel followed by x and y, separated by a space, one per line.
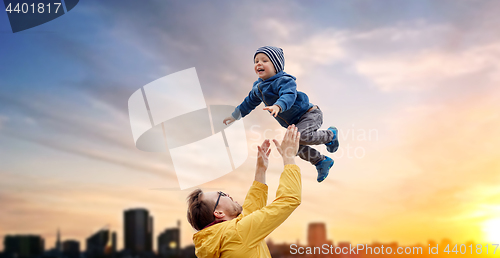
pixel 316 234
pixel 445 241
pixel 344 245
pixel 283 250
pixel 71 249
pixel 102 244
pixel 188 252
pixel 169 242
pixel 138 228
pixel 23 246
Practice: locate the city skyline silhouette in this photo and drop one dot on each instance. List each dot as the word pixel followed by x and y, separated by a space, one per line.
pixel 140 242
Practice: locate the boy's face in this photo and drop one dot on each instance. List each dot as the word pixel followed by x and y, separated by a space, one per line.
pixel 263 66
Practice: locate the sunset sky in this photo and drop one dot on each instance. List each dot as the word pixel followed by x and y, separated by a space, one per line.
pixel 413 87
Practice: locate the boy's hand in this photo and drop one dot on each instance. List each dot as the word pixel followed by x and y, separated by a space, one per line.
pixel 289 146
pixel 274 109
pixel 228 120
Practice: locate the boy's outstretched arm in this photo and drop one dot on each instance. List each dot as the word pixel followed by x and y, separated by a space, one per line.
pixel 288 93
pixel 248 104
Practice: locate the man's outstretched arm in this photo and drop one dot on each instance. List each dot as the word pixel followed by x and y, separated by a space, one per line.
pixel 257 195
pixel 261 223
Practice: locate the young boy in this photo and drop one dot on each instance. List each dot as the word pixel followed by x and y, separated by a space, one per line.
pixel 278 91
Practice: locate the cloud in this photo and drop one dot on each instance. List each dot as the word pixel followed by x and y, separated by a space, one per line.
pixel 428 68
pixel 419 55
pixel 317 50
pixel 413 56
pixel 159 169
pixel 75 130
pixel 3 120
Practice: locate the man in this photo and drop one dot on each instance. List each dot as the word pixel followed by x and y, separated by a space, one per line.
pixel 226 229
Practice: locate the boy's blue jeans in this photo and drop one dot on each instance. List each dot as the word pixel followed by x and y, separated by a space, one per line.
pixel 308 126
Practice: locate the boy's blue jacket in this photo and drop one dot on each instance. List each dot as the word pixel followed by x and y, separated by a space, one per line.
pixel 280 90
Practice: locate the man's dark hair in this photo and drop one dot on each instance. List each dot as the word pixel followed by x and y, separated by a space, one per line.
pixel 199 213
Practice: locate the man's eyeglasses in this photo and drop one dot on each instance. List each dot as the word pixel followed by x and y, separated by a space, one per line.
pixel 218 198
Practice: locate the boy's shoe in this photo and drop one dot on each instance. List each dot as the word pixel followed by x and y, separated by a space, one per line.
pixel 323 168
pixel 334 144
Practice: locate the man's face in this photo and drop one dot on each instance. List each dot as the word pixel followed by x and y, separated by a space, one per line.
pixel 226 204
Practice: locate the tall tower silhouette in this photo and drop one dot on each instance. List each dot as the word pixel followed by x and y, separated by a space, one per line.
pixel 316 235
pixel 138 228
pixel 58 241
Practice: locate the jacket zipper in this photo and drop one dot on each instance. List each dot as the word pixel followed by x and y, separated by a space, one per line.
pixel 267 104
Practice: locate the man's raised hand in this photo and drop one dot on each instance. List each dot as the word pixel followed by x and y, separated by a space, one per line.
pixel 263 152
pixel 289 146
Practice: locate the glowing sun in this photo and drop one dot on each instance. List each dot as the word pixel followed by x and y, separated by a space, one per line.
pixel 492 229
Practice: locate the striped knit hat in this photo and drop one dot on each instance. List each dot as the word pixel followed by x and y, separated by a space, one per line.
pixel 276 56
